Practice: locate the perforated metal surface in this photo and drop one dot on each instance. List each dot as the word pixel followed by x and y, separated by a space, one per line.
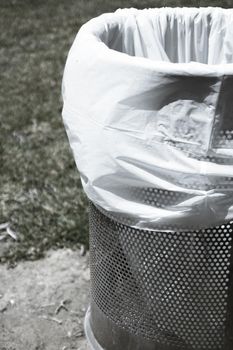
pixel 169 287
pixel 170 200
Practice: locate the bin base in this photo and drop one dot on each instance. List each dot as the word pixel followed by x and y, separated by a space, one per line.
pixel 94 345
pixel 99 329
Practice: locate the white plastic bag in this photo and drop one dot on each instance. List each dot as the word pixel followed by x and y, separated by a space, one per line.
pixel 148 108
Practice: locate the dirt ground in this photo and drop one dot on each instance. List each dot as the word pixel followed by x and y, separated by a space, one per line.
pixel 43 303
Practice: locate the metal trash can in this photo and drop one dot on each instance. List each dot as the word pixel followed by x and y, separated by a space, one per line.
pixel 148 106
pixel 159 290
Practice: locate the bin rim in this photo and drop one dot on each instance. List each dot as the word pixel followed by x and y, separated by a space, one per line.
pixel 91 33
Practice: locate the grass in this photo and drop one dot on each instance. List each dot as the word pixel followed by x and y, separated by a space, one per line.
pixel 40 190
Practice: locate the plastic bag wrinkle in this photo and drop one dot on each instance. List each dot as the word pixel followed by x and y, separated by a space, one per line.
pixel 147 108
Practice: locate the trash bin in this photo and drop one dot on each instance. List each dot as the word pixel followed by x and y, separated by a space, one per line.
pixel 148 109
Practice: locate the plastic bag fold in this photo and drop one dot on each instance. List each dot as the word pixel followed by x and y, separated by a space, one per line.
pixel 148 109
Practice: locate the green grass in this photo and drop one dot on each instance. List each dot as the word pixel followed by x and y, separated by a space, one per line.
pixel 40 189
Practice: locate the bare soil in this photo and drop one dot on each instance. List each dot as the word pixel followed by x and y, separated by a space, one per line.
pixel 43 303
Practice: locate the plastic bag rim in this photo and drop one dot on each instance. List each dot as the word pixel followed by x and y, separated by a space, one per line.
pixel 192 68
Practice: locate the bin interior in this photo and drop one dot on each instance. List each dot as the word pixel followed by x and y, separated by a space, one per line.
pixel 176 35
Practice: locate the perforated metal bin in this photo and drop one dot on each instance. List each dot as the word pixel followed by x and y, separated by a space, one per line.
pixel 154 290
